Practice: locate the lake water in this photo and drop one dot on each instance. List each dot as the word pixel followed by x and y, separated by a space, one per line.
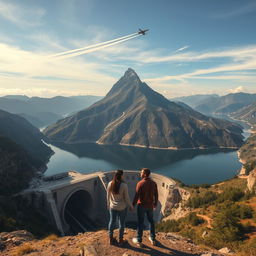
pixel 189 166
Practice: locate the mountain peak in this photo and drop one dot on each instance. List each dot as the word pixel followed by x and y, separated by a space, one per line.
pixel 130 73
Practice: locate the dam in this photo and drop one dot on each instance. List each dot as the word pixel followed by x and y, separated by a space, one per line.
pixel 76 202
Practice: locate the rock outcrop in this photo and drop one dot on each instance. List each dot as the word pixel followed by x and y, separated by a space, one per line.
pixel 97 244
pixel 251 180
pixel 175 208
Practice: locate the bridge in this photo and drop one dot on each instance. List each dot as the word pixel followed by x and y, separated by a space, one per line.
pixel 76 202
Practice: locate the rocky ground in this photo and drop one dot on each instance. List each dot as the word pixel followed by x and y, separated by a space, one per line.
pixel 96 244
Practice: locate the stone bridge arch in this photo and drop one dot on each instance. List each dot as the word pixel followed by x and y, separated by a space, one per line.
pixel 77 210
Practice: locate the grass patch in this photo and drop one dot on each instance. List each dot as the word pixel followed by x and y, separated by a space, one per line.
pixel 24 249
pixel 51 237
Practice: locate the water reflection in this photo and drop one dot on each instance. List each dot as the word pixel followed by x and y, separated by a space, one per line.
pixel 133 157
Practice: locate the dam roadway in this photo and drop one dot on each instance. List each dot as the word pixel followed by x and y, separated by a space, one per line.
pixel 76 202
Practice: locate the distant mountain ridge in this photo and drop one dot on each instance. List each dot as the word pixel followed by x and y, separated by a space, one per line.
pixel 194 100
pixel 134 114
pixel 214 104
pixel 44 111
pixel 25 135
pixel 247 113
pixel 22 153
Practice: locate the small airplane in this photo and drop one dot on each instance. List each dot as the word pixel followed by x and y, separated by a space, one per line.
pixel 143 32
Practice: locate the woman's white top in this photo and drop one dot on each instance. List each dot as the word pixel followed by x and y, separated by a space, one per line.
pixel 118 201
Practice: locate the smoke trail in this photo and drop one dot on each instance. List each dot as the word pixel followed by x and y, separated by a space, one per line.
pixel 96 48
pixel 93 46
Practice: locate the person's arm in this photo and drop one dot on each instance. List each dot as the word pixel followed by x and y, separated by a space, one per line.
pixel 155 196
pixel 126 197
pixel 136 196
pixel 108 195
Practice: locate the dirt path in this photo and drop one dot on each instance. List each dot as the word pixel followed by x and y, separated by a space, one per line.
pixel 207 219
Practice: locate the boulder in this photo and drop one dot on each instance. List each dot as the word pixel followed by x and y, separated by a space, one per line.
pixel 251 180
pixel 224 250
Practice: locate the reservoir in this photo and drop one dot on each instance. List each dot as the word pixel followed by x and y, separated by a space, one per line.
pixel 189 166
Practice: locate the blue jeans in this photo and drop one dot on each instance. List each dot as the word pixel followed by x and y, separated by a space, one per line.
pixel 141 211
pixel 121 215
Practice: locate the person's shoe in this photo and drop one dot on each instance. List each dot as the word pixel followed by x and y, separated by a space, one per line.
pixel 135 241
pixel 152 241
pixel 122 242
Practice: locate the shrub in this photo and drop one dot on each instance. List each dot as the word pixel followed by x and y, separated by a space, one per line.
pixel 240 211
pixel 168 226
pixel 199 201
pixel 24 249
pixel 226 226
pixel 52 237
pixel 189 233
pixel 245 212
pixel 231 194
pixel 193 219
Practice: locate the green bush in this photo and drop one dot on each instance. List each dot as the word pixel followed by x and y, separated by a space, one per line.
pixel 193 219
pixel 226 225
pixel 231 194
pixel 168 226
pixel 16 213
pixel 199 201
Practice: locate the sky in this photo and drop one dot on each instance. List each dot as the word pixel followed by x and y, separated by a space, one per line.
pixel 192 46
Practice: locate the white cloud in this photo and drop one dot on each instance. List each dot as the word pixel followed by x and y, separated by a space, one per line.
pixel 183 48
pixel 236 60
pixel 34 70
pixel 21 16
pixel 237 89
pixel 236 54
pixel 41 92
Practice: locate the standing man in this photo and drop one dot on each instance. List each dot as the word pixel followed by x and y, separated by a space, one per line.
pixel 146 197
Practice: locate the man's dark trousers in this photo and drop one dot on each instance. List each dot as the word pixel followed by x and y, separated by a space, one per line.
pixel 141 211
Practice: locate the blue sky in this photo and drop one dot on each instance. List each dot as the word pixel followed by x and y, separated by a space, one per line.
pixel 193 46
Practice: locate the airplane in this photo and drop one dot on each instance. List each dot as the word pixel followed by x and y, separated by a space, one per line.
pixel 143 32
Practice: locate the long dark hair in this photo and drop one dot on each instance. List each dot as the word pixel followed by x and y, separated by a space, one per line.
pixel 116 181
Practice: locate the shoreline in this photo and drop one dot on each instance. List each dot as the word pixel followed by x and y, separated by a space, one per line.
pixel 141 146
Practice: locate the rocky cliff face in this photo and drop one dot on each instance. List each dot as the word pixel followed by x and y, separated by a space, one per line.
pixel 251 180
pixel 133 114
pixel 247 154
pixel 175 204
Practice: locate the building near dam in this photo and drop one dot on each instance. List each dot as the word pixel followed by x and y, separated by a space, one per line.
pixel 76 202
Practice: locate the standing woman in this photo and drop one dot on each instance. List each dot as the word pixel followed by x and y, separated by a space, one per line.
pixel 117 200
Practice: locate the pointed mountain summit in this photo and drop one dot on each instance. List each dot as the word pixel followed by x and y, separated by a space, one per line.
pixel 134 114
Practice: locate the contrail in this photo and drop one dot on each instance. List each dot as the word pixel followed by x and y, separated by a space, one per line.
pixel 90 49
pixel 93 46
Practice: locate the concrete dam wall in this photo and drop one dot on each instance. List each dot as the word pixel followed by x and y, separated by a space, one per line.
pixel 76 202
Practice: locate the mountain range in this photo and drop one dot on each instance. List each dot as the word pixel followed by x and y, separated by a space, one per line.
pixel 28 137
pixel 214 104
pixel 135 115
pixel 247 114
pixel 22 153
pixel 44 111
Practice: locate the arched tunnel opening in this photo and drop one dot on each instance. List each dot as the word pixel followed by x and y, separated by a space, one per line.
pixel 78 212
